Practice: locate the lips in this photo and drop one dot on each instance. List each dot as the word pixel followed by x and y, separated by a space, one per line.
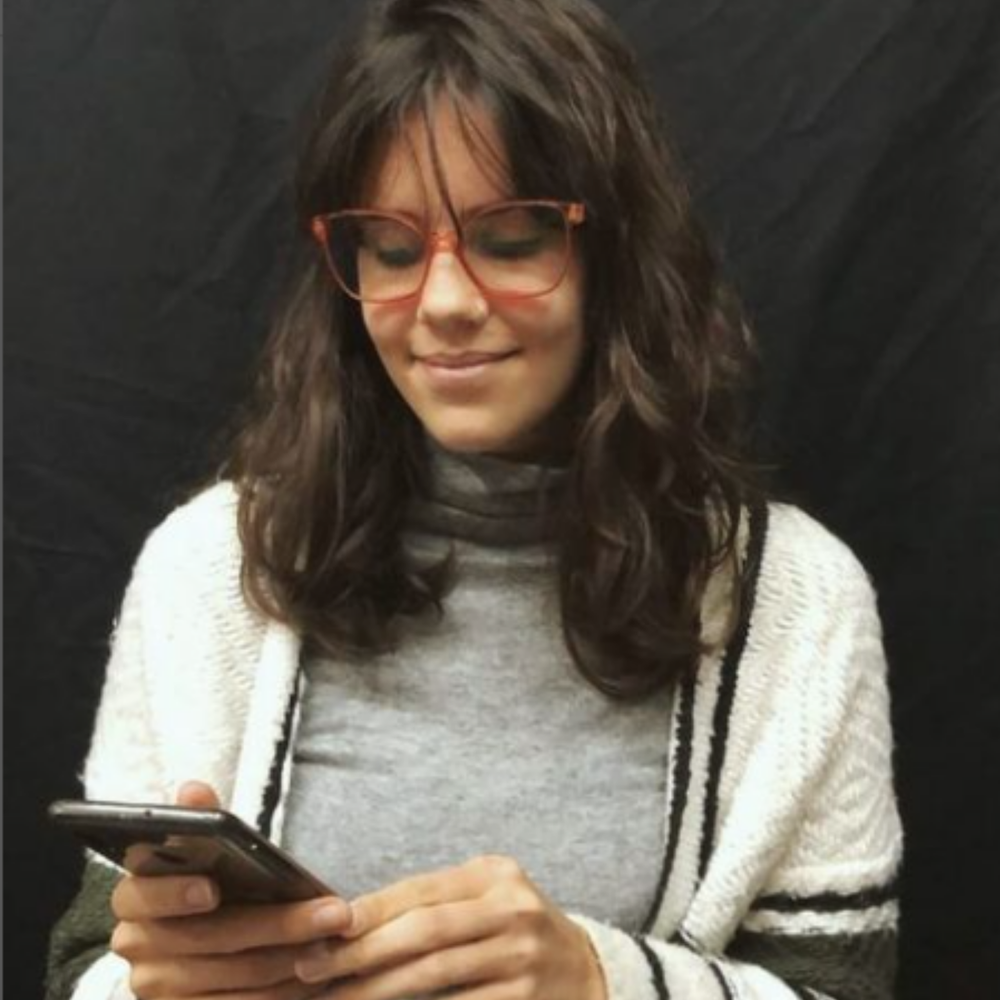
pixel 467 359
pixel 462 374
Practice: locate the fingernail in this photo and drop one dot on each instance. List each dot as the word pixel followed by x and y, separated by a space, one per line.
pixel 332 916
pixel 199 895
pixel 312 966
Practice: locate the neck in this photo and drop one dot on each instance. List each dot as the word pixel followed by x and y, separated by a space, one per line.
pixel 492 499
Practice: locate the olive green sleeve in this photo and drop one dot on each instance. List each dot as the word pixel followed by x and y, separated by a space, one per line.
pixel 846 966
pixel 82 934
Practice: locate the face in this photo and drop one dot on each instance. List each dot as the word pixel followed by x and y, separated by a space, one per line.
pixel 481 374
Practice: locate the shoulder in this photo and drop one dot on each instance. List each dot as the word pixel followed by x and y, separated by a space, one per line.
pixel 202 532
pixel 806 566
pixel 794 569
pixel 813 635
pixel 813 643
pixel 209 517
pixel 185 652
pixel 194 558
pixel 811 652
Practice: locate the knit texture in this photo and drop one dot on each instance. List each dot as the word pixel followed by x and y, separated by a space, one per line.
pixel 780 811
pixel 387 745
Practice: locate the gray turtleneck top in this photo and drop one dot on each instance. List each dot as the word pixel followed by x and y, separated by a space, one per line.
pixel 477 735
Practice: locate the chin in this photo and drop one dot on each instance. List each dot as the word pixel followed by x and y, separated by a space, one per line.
pixel 467 444
pixel 470 441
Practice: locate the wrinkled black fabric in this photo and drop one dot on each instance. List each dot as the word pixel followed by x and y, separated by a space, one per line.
pixel 847 158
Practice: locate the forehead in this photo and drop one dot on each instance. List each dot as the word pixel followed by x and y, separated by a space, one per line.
pixel 447 157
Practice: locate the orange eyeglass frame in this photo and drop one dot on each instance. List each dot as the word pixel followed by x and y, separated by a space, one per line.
pixel 447 241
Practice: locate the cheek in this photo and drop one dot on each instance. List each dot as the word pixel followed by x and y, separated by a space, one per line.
pixel 569 305
pixel 388 327
pixel 554 332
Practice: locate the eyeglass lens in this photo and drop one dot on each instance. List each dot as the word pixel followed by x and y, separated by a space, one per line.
pixel 516 250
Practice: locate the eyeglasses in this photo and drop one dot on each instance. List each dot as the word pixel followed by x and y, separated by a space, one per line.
pixel 511 250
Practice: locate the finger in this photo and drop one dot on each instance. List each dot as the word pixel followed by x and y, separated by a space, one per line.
pixel 233 929
pixel 292 990
pixel 150 898
pixel 197 795
pixel 490 991
pixel 209 974
pixel 470 965
pixel 449 885
pixel 414 933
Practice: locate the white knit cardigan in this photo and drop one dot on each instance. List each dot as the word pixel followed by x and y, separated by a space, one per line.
pixel 781 816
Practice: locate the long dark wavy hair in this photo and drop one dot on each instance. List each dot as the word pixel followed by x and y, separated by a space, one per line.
pixel 329 455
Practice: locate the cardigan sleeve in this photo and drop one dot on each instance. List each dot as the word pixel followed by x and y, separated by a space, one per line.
pixel 185 573
pixel 122 765
pixel 80 965
pixel 822 924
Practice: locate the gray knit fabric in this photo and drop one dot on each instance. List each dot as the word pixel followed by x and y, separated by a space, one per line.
pixel 478 735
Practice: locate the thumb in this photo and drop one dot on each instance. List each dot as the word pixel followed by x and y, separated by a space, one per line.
pixel 197 795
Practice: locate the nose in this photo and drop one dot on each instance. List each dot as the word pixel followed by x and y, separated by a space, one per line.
pixel 450 299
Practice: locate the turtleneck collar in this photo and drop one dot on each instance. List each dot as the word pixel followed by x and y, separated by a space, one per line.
pixel 487 499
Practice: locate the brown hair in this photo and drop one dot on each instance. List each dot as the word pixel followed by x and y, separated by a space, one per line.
pixel 330 456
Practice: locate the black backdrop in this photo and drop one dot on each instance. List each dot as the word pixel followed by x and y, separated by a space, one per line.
pixel 847 157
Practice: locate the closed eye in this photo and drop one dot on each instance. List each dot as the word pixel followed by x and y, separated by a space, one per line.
pixel 509 249
pixel 397 258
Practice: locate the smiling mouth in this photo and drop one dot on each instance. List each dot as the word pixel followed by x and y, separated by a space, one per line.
pixel 458 362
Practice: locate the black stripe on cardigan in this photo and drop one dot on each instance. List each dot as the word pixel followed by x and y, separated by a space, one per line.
pixel 720 978
pixel 729 676
pixel 685 940
pixel 682 937
pixel 680 781
pixel 655 968
pixel 272 794
pixel 828 902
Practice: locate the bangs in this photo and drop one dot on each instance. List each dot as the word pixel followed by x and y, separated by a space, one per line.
pixel 469 113
pixel 526 153
pixel 468 109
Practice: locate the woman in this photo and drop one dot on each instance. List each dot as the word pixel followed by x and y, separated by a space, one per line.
pixel 485 622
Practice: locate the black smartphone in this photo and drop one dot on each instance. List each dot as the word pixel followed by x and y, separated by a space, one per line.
pixel 147 839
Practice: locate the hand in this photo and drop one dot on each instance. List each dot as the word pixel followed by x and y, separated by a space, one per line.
pixel 482 931
pixel 181 942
